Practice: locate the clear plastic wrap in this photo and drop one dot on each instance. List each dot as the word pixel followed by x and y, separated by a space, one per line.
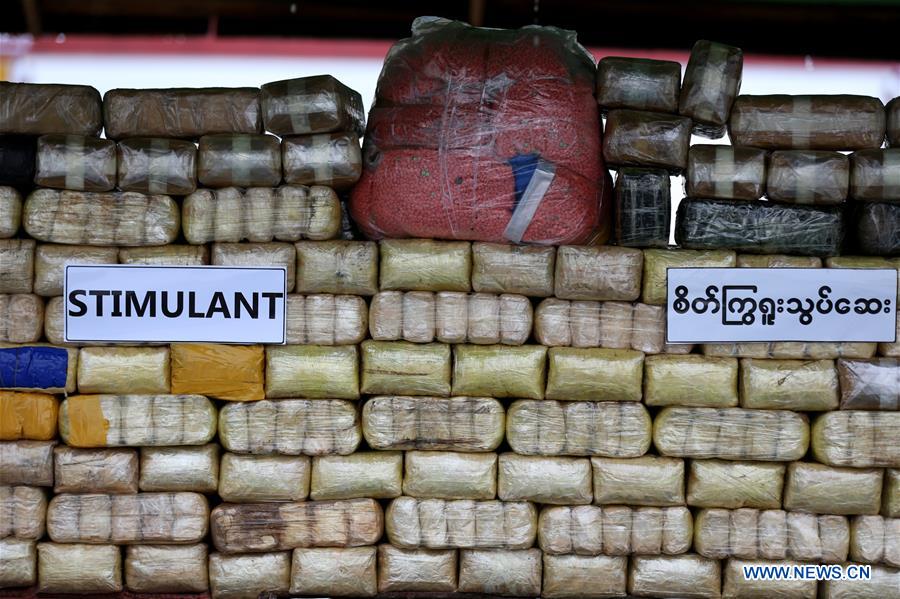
pixel 29 416
pixel 10 210
pixel 891 504
pixel 332 159
pixel 232 372
pixel 808 177
pixel 875 174
pixel 450 475
pixel 712 79
pixel 604 273
pixel 376 474
pixel 180 112
pixel 116 218
pixel 425 265
pixel 735 586
pixel 43 108
pixel 690 380
pixel 166 569
pixel 584 576
pixel 17 160
pixel 169 255
pixel 877 228
pixel 262 527
pixel 731 434
pixel 241 160
pixel 593 374
pixel 156 165
pixel 688 575
pixel 777 261
pixel 120 370
pixel 251 478
pixel 584 323
pixel 499 370
pixel 75 162
pixel 50 264
pixel 416 570
pixel 875 539
pixel 337 267
pixel 783 350
pixel 439 164
pixel 733 485
pixel 639 138
pixel 883 583
pixel 807 385
pixel 409 368
pixel 38 367
pixel 18 568
pixel 313 371
pixel 649 480
pixel 342 572
pixel 180 468
pixel 643 210
pixel 318 104
pixel 433 423
pixel 818 122
pixel 16 265
pixel 290 427
pixel 869 384
pixel 657 262
pixel 95 470
pixel 649 332
pixel 821 489
pixel 582 428
pixel 77 568
pixel 725 172
pixel 548 480
pixel 22 512
pixel 638 83
pixel 504 573
pixel 136 420
pixel 54 316
pixel 247 576
pixel 325 319
pixel 26 463
pixel 525 270
pixel 859 439
pixel 274 254
pixel 893 123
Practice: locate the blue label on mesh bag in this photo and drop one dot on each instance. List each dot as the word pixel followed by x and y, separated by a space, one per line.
pixel 523 166
pixel 33 367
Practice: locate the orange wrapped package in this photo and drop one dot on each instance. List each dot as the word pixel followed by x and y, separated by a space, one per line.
pixel 27 416
pixel 231 372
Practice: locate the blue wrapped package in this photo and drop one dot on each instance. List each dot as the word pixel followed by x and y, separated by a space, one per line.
pixel 37 368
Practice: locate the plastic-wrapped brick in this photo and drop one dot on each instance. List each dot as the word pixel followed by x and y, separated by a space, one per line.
pixel 290 427
pixel 339 572
pixel 325 319
pixel 251 478
pixel 504 573
pixel 262 527
pixel 874 539
pixel 450 475
pixel 657 262
pixel 425 265
pixel 18 155
pixel 726 172
pixel 875 174
pixel 712 79
pixel 638 83
pixel 878 228
pixel 859 439
pixel 782 350
pixel 893 123
pixel 169 255
pixel 688 575
pixel 735 586
pixel 403 367
pixel 690 380
pixel 649 332
pixel 499 370
pixel 649 480
pixel 584 323
pixel 732 485
pixel 16 265
pixel 332 159
pixel 180 468
pixel 273 254
pixel 822 489
pixel 587 374
pixel 23 510
pixel 416 570
pixel 114 218
pixel 95 470
pixel 29 416
pixel 120 370
pixel 337 267
pixel 639 138
pixel 26 463
pixel 54 318
pixel 157 165
pixel 318 104
pixel 166 569
pixel 247 576
pixel 18 568
pixel 883 583
pixel 643 210
pixel 10 210
pixel 240 160
pixel 808 177
pixel 376 474
pixel 313 371
pixel 50 264
pixel 804 386
pixel 43 108
pixel 232 372
pixel 522 269
pixel 38 367
pixel 180 112
pixel 598 273
pixel 777 261
pixel 891 504
pixel 584 576
pixel 75 162
pixel 78 568
pixel 550 480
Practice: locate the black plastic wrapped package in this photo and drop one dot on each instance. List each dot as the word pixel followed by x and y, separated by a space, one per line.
pixel 17 159
pixel 878 229
pixel 875 174
pixel 41 108
pixel 640 138
pixel 712 79
pixel 76 162
pixel 643 210
pixel 638 84
pixel 307 105
pixel 808 177
pixel 239 160
pixel 156 165
pixel 893 123
pixel 726 172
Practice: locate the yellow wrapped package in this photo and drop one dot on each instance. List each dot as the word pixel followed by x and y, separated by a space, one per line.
pixel 166 568
pixel 27 463
pixel 78 568
pixel 785 350
pixel 18 568
pixel 120 370
pixel 166 255
pixel 686 575
pixel 450 475
pixel 691 380
pixel 656 262
pixel 338 266
pixel 499 370
pixel 376 474
pixel 325 319
pixel 253 478
pixel 594 374
pixel 347 571
pixel 604 273
pixel 194 468
pixel 232 372
pixel 312 371
pixel 522 269
pixel 648 480
pixel 821 489
pixel 24 510
pixel 875 539
pixel 505 573
pixel 735 586
pixel 882 584
pixel 732 485
pixel 17 261
pixel 95 470
pixel 551 480
pixel 403 367
pixel 10 211
pixel 789 385
pixel 425 265
pixel 50 261
pixel 858 439
pixel 40 367
pixel 257 254
pixel 584 576
pixel 27 416
pixel 416 570
pixel 21 318
pixel 891 507
pixel 649 334
pixel 248 576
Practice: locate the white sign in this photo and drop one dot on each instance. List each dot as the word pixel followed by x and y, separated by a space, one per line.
pixel 713 305
pixel 172 304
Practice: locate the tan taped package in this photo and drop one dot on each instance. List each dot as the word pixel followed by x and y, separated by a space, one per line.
pixel 39 108
pixel 416 570
pixel 261 527
pixel 16 265
pixel 43 368
pixel 332 159
pixel 312 371
pixel 50 264
pixel 145 518
pixel 777 261
pixel 691 380
pixel 522 269
pixel 425 265
pixel 95 470
pixel 341 572
pixel 821 489
pixel 686 575
pixel 261 214
pixel 875 539
pixel 27 463
pixel 550 480
pixel 136 420
pixel 870 384
pixel 180 468
pixel 725 172
pixel 602 273
pixel 317 104
pixel 31 416
pixel 615 530
pixel 157 165
pixel 114 218
pixel 18 568
pixel 642 138
pixel 505 573
pixel 123 370
pixel 247 576
pixel 256 255
pixel 337 267
pixel 787 350
pixel 736 586
pixel 169 255
pixel 75 162
pixel 649 480
pixel 875 174
pixel 732 485
pixel 891 507
pixel 166 568
pixel 638 83
pixel 325 319
pixel 22 512
pixel 376 474
pixel 253 478
pixel 77 568
pixel 586 374
pixel 10 211
pixel 403 367
pixel 439 524
pixel 450 475
pixel 859 439
pixel 609 429
pixel 499 370
pixel 808 177
pixel 656 263
pixel 712 79
pixel 239 159
pixel 433 423
pixel 584 576
pixel 789 385
pixel 290 427
pixel 731 434
pixel 54 318
pixel 231 372
pixel 882 583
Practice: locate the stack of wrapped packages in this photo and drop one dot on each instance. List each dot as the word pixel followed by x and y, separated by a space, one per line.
pixel 458 414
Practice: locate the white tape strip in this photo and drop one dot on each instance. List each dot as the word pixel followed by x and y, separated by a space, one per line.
pixel 800 121
pixel 159 164
pixel 323 154
pixel 75 163
pixel 242 160
pixel 807 171
pixel 724 171
pixel 890 174
pixel 712 83
pixel 531 199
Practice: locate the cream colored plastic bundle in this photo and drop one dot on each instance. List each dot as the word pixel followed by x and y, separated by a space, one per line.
pixel 123 370
pixel 54 316
pixel 332 159
pixel 50 262
pixel 27 463
pixel 17 258
pixel 789 385
pixel 450 475
pixel 136 420
pixel 239 159
pixel 615 530
pixel 326 319
pixel 95 470
pixel 261 214
pixel 425 265
pixel 145 518
pixel 290 427
pixel 257 254
pixel 433 423
pixel 376 474
pixel 403 367
pixel 312 371
pixel 891 507
pixel 522 269
pixel 821 489
pixel 870 384
pixel 115 218
pixel 782 350
pixel 10 211
pixel 874 539
pixel 166 569
pixel 76 568
pixel 686 575
pixel 883 583
pixel 261 527
pixel 337 267
pixel 735 586
pixel 342 572
pixel 22 512
pixel 550 480
pixel 656 262
pixel 499 370
pixel 731 434
pixel 416 570
pixel 584 576
pixel 21 318
pixel 582 428
pixel 604 273
pixel 75 162
pixel 439 524
pixel 18 568
pixel 857 439
pixel 648 480
pixel 777 261
pixel 732 485
pixel 169 255
pixel 649 333
pixel 771 534
pixel 506 573
pixel 247 576
pixel 691 380
pixel 180 468
pixel 251 478
pixel 578 374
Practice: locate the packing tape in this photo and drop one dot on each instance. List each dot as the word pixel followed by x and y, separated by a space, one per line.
pixel 531 199
pixel 75 163
pixel 724 171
